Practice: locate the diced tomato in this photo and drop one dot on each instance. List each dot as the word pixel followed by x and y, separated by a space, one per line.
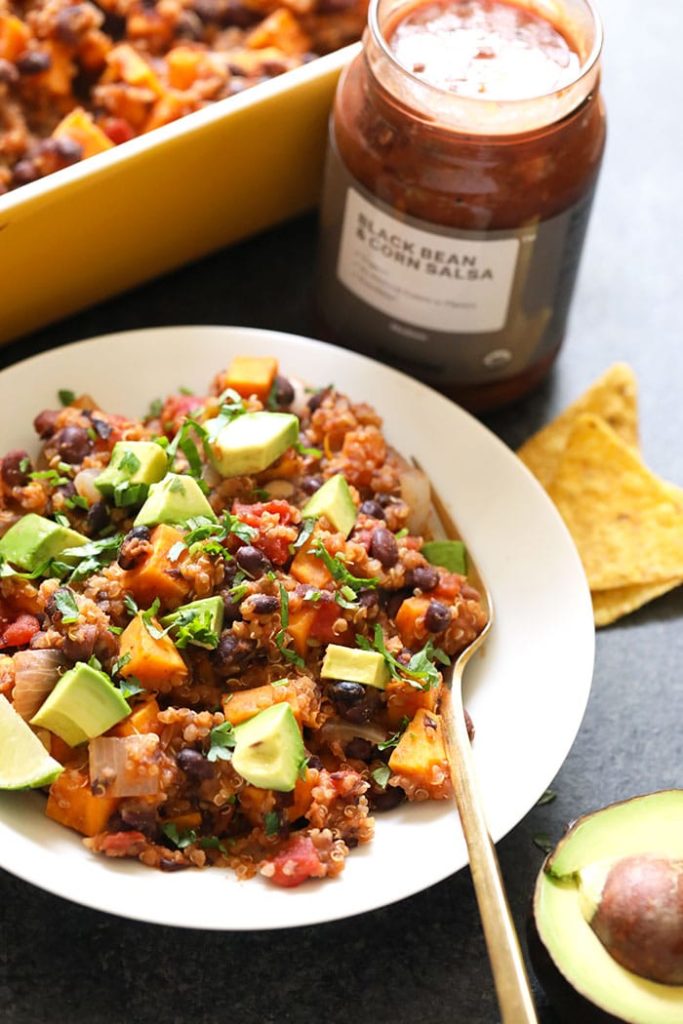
pixel 123 844
pixel 117 129
pixel 276 549
pixel 296 862
pixel 450 585
pixel 176 408
pixel 20 632
pixel 326 614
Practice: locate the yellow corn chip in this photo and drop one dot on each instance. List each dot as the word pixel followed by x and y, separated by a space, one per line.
pixel 625 521
pixel 613 397
pixel 610 605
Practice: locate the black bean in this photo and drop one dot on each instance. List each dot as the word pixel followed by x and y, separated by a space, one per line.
pixel 384 547
pixel 424 577
pixel 141 532
pixel 315 762
pixel 139 817
pixel 45 423
pixel 12 472
pixel 316 400
pixel 359 749
pixel 369 599
pixel 372 508
pixel 386 799
pixel 311 484
pixel 386 499
pixel 437 617
pixel 393 601
pixel 73 444
pixel 102 428
pixel 80 645
pixel 232 653
pixel 252 561
pixel 359 713
pixel 194 764
pixel 284 392
pixel 97 519
pixel 264 604
pixel 24 172
pixel 231 607
pixel 34 62
pixel 345 692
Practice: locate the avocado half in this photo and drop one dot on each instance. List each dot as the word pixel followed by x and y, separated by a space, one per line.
pixel 585 981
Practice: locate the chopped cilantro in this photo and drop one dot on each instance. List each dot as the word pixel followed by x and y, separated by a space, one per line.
pixel 130 604
pixel 65 603
pixel 271 823
pixel 129 463
pixel 116 630
pixel 402 533
pixel 127 493
pixel 284 606
pixel 393 741
pixel 338 570
pixel 314 453
pixel 420 672
pixel 546 798
pixel 209 535
pixel 93 556
pixel 95 663
pixel 307 527
pixel 179 839
pixel 222 739
pixel 130 687
pixel 66 397
pixel 231 406
pixel 147 617
pixel 154 411
pixel 381 774
pixel 281 636
pixel 25 464
pixel 303 768
pixel 62 520
pixel 76 501
pixel 184 440
pixel 176 550
pixel 543 841
pixel 185 391
pixel 194 626
pixel 346 597
pixel 120 663
pixel 50 476
pixel 212 843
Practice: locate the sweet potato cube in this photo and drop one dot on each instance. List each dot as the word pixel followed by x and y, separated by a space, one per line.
pixel 14 37
pixel 282 30
pixel 72 803
pixel 158 575
pixel 252 375
pixel 143 718
pixel 410 621
pixel 300 693
pixel 183 66
pixel 155 662
pixel 80 127
pixel 126 64
pixel 419 761
pixel 299 628
pixel 308 568
pixel 404 701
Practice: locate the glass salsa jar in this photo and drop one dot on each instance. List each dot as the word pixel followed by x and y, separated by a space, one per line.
pixel 452 221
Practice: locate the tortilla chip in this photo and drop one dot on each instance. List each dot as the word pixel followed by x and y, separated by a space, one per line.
pixel 627 525
pixel 613 397
pixel 610 605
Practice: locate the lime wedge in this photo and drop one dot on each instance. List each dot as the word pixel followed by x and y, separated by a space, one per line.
pixel 24 761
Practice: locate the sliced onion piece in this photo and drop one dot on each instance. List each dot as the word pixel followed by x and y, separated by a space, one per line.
pixel 336 730
pixel 35 676
pixel 84 482
pixel 300 404
pixel 416 493
pixel 125 765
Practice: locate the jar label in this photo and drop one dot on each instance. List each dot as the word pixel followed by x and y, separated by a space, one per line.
pixel 448 305
pixel 431 280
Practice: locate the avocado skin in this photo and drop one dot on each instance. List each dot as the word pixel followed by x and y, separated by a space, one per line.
pixel 570 1007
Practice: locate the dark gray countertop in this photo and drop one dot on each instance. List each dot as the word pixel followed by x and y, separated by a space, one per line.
pixel 422 960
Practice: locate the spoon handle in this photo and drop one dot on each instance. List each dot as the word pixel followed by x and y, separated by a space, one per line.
pixel 507 964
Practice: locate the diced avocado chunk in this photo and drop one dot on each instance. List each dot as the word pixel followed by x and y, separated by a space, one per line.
pixel 450 554
pixel 133 466
pixel 333 500
pixel 24 761
pixel 252 442
pixel 367 667
pixel 198 623
pixel 175 499
pixel 83 705
pixel 34 541
pixel 269 750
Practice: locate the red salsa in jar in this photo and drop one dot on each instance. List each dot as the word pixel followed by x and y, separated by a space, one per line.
pixel 465 145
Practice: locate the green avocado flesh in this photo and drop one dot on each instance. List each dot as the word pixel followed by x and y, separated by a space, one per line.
pixel 252 442
pixel 449 554
pixel 34 541
pixel 269 750
pixel 24 761
pixel 644 825
pixel 333 500
pixel 175 499
pixel 133 466
pixel 84 704
pixel 209 611
pixel 356 666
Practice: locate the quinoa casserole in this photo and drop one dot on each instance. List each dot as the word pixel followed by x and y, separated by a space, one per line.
pixel 78 77
pixel 223 626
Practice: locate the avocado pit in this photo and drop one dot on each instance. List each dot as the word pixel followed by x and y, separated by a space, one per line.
pixel 635 907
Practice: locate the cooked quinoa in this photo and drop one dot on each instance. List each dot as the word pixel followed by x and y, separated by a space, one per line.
pixel 160 785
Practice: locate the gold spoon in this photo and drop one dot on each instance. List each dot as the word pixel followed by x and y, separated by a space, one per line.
pixel 507 963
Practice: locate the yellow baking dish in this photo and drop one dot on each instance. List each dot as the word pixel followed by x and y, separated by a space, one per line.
pixel 140 209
